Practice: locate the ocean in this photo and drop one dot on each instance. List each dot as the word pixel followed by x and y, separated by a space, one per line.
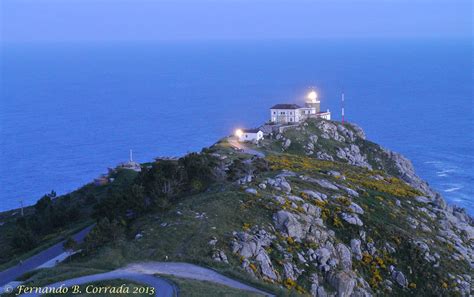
pixel 69 111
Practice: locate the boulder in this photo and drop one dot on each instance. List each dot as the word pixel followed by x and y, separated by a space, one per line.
pixel 350 191
pixel 316 195
pixel 329 131
pixel 301 258
pixel 219 256
pixel 422 199
pixel 285 186
pixel 248 245
pixel 290 271
pixel 345 256
pixel 334 173
pixel 353 156
pixel 213 241
pixel 389 248
pixel 422 246
pixel 355 208
pixel 326 184
pixel 295 198
pixel 355 247
pixel 352 219
pixel 324 156
pixel 399 278
pixel 279 199
pixel 247 268
pixel 344 282
pixel 286 173
pixel 371 248
pixel 322 255
pixel 358 131
pixel 346 133
pixel 251 191
pixel 266 266
pixel 316 289
pixel 312 210
pixel 288 223
pixel 245 180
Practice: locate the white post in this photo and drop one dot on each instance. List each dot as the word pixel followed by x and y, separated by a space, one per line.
pixel 131 156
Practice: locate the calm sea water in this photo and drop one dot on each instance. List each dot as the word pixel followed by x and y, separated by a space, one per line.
pixel 67 112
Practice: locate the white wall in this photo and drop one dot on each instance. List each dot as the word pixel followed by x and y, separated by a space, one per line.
pixel 285 115
pixel 251 136
pixel 326 116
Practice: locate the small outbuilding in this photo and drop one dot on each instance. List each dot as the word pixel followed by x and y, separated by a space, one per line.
pixel 249 135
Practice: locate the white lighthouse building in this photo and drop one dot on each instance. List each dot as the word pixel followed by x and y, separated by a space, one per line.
pixel 293 113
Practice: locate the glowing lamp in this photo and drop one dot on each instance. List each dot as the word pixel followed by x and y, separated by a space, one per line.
pixel 239 133
pixel 313 96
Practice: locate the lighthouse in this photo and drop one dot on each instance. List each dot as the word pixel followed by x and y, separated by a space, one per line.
pixel 286 113
pixel 312 102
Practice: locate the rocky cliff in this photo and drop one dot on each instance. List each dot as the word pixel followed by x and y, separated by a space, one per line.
pixel 348 218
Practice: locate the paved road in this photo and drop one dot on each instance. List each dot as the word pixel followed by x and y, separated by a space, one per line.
pixel 143 273
pixel 163 288
pixel 33 262
pixel 191 271
pixel 241 146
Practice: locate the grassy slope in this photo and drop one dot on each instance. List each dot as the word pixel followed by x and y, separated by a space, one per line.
pixel 227 208
pixel 185 238
pixel 182 233
pixel 194 288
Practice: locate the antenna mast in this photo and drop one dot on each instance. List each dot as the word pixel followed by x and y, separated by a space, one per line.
pixel 131 156
pixel 342 103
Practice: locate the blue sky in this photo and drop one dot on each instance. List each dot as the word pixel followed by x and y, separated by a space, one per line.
pixel 133 20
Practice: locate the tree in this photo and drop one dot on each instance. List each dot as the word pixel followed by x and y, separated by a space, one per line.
pixel 23 239
pixel 70 244
pixel 112 207
pixel 105 231
pixel 199 171
pixel 43 204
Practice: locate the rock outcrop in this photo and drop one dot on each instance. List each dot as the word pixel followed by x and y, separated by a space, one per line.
pixel 342 212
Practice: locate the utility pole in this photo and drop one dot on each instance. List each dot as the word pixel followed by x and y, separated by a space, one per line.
pixel 21 206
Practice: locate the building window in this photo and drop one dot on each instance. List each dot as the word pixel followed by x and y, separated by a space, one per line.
pixel 282 112
pixel 274 112
pixel 291 112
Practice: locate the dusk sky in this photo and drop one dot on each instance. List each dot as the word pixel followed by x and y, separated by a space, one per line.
pixel 109 20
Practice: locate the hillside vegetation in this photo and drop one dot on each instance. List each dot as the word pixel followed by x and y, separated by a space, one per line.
pixel 324 213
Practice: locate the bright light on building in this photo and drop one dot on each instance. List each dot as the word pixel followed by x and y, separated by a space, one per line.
pixel 313 95
pixel 239 133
